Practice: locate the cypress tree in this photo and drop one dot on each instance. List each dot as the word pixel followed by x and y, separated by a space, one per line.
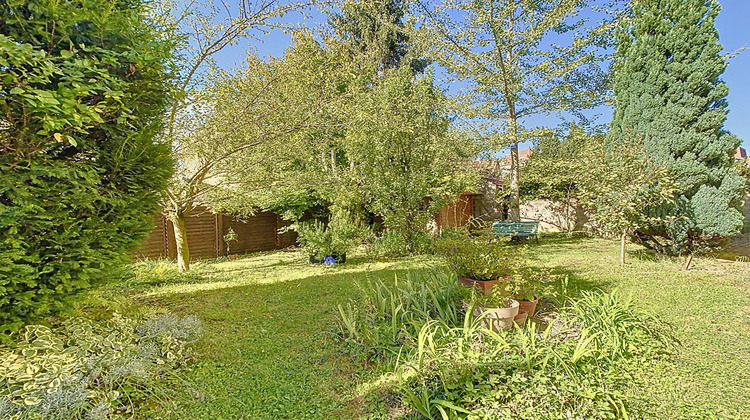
pixel 377 27
pixel 669 93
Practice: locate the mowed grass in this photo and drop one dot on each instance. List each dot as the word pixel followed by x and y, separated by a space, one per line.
pixel 267 350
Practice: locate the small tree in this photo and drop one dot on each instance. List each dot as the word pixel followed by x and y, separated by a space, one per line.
pixel 559 167
pixel 203 29
pixel 621 187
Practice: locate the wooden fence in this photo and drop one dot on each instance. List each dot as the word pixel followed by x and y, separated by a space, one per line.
pixel 205 233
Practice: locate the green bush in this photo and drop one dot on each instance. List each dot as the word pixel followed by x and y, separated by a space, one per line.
pixel 393 244
pixel 83 92
pixel 337 236
pixel 84 369
pixel 482 258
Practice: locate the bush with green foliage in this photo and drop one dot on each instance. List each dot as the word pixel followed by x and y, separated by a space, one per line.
pixel 337 236
pixel 83 93
pixel 482 258
pixel 394 244
pixel 85 369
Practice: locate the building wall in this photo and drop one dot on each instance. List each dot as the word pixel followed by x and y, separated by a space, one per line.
pixel 554 216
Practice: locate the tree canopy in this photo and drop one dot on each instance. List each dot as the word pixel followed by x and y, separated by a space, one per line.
pixel 669 92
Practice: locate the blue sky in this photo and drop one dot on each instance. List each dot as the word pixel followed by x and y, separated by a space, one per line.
pixel 733 24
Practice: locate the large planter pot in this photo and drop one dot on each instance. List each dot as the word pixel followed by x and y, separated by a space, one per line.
pixel 498 319
pixel 484 285
pixel 529 305
pixel 318 258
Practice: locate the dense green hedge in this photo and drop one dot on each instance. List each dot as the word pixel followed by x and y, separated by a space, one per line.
pixel 83 90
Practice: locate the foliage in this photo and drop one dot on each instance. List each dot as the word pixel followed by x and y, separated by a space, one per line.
pixel 559 167
pixel 204 129
pixel 447 364
pixel 669 92
pixel 571 367
pixel 376 28
pixel 622 186
pixel 231 236
pixel 502 50
pixel 83 369
pixel 386 323
pixel 482 258
pixel 337 236
pixel 394 244
pixel 159 272
pixel 84 88
pixel 407 164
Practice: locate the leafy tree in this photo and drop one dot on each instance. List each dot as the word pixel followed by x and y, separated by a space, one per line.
pixel 620 186
pixel 376 28
pixel 401 151
pixel 512 69
pixel 83 92
pixel 669 93
pixel 203 30
pixel 559 166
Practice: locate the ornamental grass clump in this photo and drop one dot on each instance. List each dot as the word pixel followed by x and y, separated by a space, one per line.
pixel 445 363
pixel 575 366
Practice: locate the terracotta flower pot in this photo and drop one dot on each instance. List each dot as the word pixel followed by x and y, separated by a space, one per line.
pixel 528 305
pixel 484 285
pixel 498 319
pixel 521 318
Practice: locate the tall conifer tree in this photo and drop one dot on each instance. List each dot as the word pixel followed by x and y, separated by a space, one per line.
pixel 669 93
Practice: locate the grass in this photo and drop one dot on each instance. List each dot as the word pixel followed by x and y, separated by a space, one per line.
pixel 267 351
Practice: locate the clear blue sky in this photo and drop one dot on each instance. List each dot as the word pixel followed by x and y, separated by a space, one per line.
pixel 733 24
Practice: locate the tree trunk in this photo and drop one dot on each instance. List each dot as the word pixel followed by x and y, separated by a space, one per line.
pixel 515 196
pixel 687 262
pixel 622 248
pixel 181 243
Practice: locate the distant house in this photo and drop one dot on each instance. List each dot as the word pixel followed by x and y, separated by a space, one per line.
pixel 740 154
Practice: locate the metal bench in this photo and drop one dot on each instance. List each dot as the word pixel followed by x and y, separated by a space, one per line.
pixel 516 229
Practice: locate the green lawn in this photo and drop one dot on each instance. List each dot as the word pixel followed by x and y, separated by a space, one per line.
pixel 267 351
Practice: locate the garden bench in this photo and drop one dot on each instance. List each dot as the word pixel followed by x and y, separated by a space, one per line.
pixel 516 229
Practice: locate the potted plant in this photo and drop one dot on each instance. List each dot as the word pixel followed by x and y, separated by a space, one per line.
pixel 481 262
pixel 496 309
pixel 231 236
pixel 528 284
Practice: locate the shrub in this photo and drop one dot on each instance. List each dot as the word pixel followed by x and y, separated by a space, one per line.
pixel 393 244
pixel 481 258
pixel 341 233
pixel 87 369
pixel 84 89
